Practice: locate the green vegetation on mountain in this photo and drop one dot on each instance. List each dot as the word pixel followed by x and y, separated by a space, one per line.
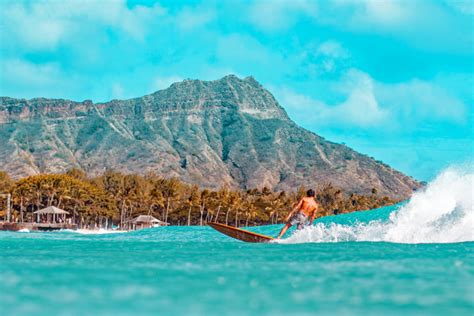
pixel 228 132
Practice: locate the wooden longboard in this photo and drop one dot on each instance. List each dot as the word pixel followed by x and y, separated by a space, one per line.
pixel 240 234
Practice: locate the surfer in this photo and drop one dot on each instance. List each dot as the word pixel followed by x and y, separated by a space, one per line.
pixel 303 213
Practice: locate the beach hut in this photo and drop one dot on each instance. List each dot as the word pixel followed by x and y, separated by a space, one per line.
pixel 146 221
pixel 52 214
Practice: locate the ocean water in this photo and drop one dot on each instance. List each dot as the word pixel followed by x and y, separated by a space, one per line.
pixel 411 259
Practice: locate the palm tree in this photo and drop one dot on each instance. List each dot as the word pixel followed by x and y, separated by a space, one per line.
pixel 216 219
pixel 23 194
pixel 222 196
pixel 193 200
pixel 236 217
pixel 270 214
pixel 227 216
pixel 114 184
pixel 275 206
pixel 155 196
pixel 238 205
pixel 204 195
pixel 170 189
pixel 231 203
pixel 251 213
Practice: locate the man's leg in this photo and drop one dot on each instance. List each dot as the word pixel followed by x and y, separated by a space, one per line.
pixel 283 230
pixel 303 225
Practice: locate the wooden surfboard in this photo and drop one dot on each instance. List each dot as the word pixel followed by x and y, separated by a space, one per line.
pixel 240 234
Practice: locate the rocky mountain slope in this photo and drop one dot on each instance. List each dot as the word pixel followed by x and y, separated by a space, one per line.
pixel 229 131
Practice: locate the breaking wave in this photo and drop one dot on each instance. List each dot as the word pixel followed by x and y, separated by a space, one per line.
pixel 442 212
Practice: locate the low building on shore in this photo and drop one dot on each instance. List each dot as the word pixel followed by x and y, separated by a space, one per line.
pixel 53 218
pixel 146 221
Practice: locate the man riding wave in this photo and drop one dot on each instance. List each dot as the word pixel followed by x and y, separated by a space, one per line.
pixel 303 214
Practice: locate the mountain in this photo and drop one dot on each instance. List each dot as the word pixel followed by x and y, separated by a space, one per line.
pixel 230 131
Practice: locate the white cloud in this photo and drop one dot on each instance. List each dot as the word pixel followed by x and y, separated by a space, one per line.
pixel 330 55
pixel 27 73
pixel 371 104
pixel 333 49
pixel 237 47
pixel 369 13
pixel 360 107
pixel 43 25
pixel 386 12
pixel 463 6
pixel 428 25
pixel 31 26
pixel 190 18
pixel 117 91
pixel 414 21
pixel 24 79
pixel 282 14
pixel 425 101
pixel 279 14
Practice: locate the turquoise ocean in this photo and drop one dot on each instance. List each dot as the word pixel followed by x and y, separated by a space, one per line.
pixel 415 258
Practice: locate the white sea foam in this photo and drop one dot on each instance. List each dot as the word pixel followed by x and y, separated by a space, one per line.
pixel 95 231
pixel 441 213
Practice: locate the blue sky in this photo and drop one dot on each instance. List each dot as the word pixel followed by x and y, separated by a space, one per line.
pixel 392 79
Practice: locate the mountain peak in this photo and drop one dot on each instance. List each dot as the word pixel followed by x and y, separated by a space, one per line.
pixel 230 91
pixel 230 78
pixel 249 80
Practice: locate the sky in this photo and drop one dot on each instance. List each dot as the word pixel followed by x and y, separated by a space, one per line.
pixel 391 79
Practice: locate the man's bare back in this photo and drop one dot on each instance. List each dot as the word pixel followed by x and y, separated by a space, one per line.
pixel 307 205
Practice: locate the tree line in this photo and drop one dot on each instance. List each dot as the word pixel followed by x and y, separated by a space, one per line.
pixel 115 197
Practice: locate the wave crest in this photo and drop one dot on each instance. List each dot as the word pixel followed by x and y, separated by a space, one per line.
pixel 441 213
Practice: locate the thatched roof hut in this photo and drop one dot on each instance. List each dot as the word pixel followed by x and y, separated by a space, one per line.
pixel 51 210
pixel 147 219
pixel 51 214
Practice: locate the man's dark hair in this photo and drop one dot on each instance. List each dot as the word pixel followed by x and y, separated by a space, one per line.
pixel 310 192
